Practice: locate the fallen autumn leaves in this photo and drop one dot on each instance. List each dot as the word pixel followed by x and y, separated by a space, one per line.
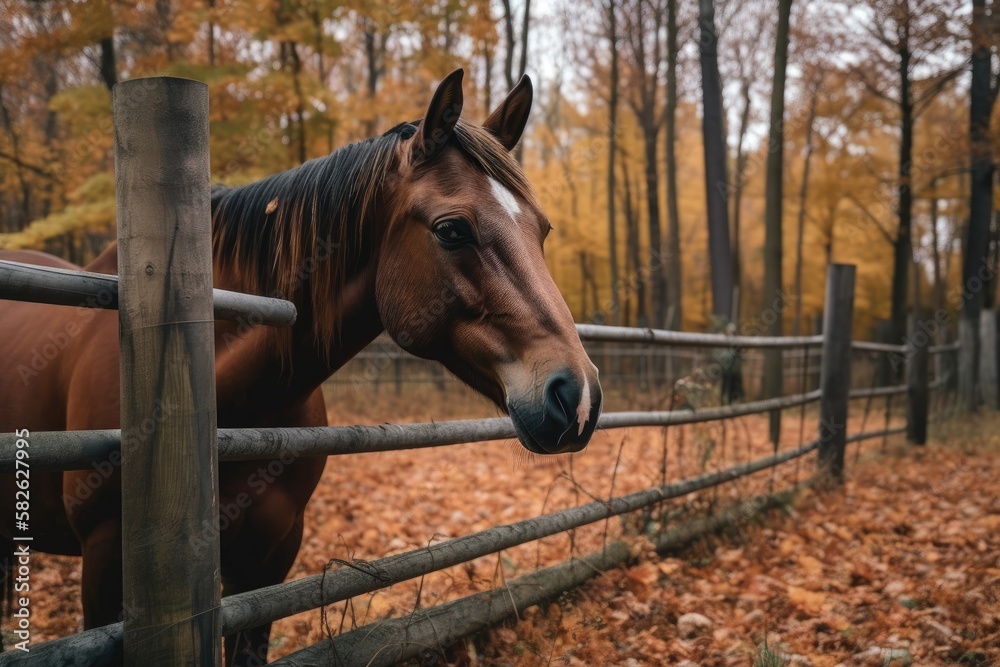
pixel 858 575
pixel 900 566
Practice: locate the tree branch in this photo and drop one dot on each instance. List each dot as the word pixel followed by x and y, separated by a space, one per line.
pixel 922 101
pixel 870 87
pixel 30 167
pixel 872 219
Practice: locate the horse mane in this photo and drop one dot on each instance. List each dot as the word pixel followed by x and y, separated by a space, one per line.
pixel 292 235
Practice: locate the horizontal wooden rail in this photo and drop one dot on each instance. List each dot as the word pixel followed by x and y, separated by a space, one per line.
pixel 81 450
pixel 62 287
pixel 878 391
pixel 264 605
pixel 597 332
pixel 392 641
pixel 247 610
pixel 868 346
pixel 876 434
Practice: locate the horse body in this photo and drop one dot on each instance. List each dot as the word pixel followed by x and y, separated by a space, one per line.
pixel 78 512
pixel 356 260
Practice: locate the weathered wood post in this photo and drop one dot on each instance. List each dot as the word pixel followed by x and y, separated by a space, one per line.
pixel 170 509
pixel 835 374
pixel 988 381
pixel 918 391
pixel 968 359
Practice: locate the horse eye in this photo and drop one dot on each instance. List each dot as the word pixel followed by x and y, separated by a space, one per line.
pixel 454 233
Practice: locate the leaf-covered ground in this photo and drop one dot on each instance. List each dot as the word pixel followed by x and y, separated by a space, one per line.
pixel 902 562
pixel 900 566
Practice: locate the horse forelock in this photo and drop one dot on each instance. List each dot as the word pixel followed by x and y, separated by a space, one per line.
pixel 489 156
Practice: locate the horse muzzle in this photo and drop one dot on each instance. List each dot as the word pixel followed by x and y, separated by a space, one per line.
pixel 562 418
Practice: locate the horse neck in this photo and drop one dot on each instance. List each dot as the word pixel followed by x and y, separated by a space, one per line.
pixel 262 371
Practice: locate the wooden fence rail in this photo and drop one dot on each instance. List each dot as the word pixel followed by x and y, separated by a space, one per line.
pixel 597 332
pixel 868 346
pixel 80 450
pixel 82 289
pixel 394 640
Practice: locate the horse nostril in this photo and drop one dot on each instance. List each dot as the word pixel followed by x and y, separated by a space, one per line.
pixel 562 396
pixel 562 419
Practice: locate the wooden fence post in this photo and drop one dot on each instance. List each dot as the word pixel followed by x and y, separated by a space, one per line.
pixel 988 381
pixel 918 392
pixel 968 358
pixel 835 375
pixel 170 510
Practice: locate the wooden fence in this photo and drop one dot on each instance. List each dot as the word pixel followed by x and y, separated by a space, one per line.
pixel 161 150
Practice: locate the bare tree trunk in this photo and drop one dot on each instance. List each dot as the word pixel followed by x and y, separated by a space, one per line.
pixel 321 73
pixel 590 281
pixel 983 94
pixel 720 255
pixel 511 43
pixel 508 22
pixel 374 45
pixel 630 269
pixel 803 198
pixel 989 299
pixel 15 145
pixel 612 149
pixel 635 281
pixel 211 33
pixel 525 23
pixel 300 112
pixel 902 247
pixel 659 308
pixel 936 257
pixel 738 182
pixel 109 74
pixel 48 188
pixel 675 295
pixel 164 12
pixel 773 255
pixel 488 77
pixel 645 47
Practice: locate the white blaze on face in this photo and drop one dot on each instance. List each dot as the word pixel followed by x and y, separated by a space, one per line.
pixel 505 197
pixel 583 410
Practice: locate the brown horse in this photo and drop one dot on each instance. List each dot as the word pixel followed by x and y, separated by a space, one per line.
pixel 429 232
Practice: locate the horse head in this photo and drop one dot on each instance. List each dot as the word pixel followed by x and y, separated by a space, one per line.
pixel 461 275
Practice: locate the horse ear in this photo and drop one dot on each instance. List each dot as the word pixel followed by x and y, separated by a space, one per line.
pixel 507 121
pixel 439 121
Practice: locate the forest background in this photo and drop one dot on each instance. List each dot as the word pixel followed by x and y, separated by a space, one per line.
pixel 701 161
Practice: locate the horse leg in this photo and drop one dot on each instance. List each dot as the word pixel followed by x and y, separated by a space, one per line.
pixel 102 574
pixel 249 648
